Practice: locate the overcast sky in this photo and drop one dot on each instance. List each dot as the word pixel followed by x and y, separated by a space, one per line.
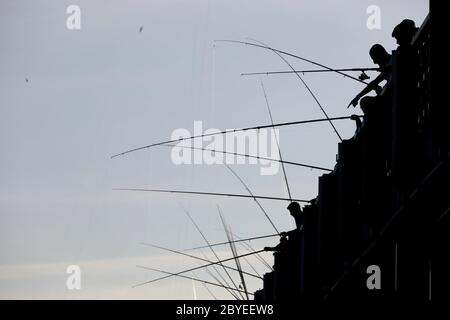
pixel 69 99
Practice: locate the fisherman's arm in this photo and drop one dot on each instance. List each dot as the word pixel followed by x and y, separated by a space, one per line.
pixel 373 85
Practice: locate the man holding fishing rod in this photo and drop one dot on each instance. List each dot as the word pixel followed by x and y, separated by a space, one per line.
pixel 379 56
pixel 296 212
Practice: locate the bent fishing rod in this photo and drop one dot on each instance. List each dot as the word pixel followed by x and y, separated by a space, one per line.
pixel 211 248
pixel 251 156
pixel 254 197
pixel 235 241
pixel 210 194
pixel 308 71
pixel 195 257
pixel 197 268
pixel 304 83
pixel 232 131
pixel 278 143
pixel 233 250
pixel 194 279
pixel 293 56
pixel 249 248
pixel 220 282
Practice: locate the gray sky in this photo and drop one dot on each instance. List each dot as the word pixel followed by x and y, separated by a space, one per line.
pixel 106 88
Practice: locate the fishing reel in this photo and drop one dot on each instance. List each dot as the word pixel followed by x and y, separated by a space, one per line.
pixel 363 76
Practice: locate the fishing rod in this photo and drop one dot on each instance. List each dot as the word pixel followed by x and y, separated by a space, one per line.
pixel 251 194
pixel 254 197
pixel 211 248
pixel 293 56
pixel 194 257
pixel 220 275
pixel 251 156
pixel 306 86
pixel 197 268
pixel 308 71
pixel 192 278
pixel 233 251
pixel 218 281
pixel 210 194
pixel 239 240
pixel 232 131
pixel 249 248
pixel 258 257
pixel 251 266
pixel 278 144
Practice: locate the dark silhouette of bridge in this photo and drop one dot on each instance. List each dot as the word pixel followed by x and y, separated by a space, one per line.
pixel 387 201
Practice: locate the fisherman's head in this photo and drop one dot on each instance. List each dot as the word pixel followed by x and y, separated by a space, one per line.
pixel 294 208
pixel 379 55
pixel 404 32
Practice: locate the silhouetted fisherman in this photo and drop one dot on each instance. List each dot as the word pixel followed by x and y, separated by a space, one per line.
pixel 379 56
pixel 296 213
pixel 404 33
pixel 405 119
pixel 282 246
